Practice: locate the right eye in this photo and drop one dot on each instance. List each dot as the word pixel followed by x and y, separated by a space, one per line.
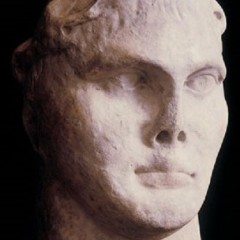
pixel 131 81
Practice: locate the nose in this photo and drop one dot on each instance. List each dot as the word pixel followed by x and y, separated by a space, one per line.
pixel 170 123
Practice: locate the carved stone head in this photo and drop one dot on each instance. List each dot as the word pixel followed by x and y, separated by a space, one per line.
pixel 124 102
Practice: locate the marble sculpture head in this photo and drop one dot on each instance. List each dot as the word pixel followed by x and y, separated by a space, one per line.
pixel 124 102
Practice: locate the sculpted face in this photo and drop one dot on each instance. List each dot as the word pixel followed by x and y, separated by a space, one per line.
pixel 135 139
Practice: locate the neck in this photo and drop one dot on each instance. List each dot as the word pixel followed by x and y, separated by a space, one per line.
pixel 67 221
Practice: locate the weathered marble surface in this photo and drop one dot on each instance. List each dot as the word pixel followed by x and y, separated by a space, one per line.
pixel 124 102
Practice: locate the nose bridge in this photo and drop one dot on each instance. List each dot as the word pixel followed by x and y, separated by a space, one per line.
pixel 171 117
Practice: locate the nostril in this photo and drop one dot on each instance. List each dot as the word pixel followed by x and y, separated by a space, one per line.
pixel 164 137
pixel 181 136
pixel 218 15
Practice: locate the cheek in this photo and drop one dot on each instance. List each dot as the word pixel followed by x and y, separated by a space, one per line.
pixel 112 116
pixel 217 120
pixel 112 124
pixel 207 119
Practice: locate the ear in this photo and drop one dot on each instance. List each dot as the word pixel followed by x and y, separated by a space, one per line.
pixel 21 60
pixel 220 16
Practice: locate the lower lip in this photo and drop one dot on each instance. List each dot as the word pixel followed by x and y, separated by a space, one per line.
pixel 165 180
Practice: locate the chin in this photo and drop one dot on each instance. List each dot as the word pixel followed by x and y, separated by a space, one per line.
pixel 145 216
pixel 141 225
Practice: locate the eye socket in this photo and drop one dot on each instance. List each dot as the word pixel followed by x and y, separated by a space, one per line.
pixel 131 80
pixel 202 84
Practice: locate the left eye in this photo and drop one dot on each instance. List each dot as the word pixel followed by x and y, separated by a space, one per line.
pixel 202 84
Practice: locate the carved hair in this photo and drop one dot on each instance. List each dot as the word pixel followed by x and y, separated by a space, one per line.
pixel 65 22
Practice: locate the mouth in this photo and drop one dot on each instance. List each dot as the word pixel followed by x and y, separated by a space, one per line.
pixel 156 178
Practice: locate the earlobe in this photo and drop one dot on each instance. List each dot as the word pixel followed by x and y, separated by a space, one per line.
pixel 21 60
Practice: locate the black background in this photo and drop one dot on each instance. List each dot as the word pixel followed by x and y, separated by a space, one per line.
pixel 19 175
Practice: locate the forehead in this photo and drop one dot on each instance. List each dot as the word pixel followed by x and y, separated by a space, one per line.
pixel 164 32
pixel 106 18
